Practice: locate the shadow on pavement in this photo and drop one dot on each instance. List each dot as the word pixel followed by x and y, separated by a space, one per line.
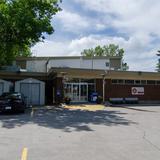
pixel 64 119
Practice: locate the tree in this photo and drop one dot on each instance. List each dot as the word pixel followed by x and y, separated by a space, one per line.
pixel 107 50
pixel 88 52
pixel 23 24
pixel 113 50
pixel 99 51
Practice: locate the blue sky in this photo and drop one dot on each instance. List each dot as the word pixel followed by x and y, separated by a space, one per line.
pixel 131 24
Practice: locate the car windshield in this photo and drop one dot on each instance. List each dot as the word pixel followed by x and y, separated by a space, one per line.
pixel 11 96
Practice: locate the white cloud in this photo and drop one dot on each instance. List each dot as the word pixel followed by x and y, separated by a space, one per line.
pixel 76 23
pixel 130 16
pixel 50 48
pixel 72 21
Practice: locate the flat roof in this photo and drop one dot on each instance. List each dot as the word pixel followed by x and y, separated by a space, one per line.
pixel 109 74
pixel 66 57
pixel 22 75
pixel 82 73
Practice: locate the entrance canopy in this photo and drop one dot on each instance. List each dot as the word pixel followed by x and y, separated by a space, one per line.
pixel 107 74
pixel 78 73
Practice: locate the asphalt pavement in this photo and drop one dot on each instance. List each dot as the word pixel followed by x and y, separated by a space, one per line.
pixel 113 133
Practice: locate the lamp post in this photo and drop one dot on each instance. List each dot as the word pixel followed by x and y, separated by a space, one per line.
pixel 103 78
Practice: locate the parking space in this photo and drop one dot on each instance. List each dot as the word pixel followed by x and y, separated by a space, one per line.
pixel 49 133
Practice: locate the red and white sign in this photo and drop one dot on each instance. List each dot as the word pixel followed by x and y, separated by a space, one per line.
pixel 137 90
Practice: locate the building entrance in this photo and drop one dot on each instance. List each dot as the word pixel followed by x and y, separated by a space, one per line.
pixel 79 92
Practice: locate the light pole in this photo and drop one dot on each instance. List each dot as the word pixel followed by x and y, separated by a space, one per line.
pixel 103 78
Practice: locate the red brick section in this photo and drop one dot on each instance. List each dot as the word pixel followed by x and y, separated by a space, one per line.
pixel 99 87
pixel 151 92
pixel 58 84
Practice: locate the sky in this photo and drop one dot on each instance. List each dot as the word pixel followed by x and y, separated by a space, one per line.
pixel 132 24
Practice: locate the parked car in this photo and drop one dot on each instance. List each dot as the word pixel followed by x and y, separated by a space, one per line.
pixel 12 102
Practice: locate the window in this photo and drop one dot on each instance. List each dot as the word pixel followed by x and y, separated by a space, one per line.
pixel 158 82
pixel 151 82
pixel 120 81
pixel 137 82
pixel 117 81
pixel 107 64
pixel 129 81
pixel 114 81
pixel 143 82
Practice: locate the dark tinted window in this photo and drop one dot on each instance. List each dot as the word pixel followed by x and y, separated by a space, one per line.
pixel 137 82
pixel 143 81
pixel 158 82
pixel 120 81
pixel 151 82
pixel 129 81
pixel 114 81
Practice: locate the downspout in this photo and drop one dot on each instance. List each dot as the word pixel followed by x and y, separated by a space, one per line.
pixel 46 80
pixel 47 63
pixel 92 61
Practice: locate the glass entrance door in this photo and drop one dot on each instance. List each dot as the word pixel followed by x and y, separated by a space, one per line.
pixel 78 92
pixel 75 92
pixel 83 92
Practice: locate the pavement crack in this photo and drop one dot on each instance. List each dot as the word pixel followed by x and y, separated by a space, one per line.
pixel 148 141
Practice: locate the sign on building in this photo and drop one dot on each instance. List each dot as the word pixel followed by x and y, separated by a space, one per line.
pixel 137 90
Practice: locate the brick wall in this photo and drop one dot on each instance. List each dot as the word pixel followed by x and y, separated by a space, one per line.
pixel 151 92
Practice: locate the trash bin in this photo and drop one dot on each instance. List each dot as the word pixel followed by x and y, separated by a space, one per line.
pixel 94 96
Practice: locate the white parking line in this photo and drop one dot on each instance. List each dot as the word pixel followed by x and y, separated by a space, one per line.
pixel 32 113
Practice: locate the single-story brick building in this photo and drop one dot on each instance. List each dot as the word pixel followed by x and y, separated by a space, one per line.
pixel 45 83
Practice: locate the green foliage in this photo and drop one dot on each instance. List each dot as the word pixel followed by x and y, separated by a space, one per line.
pixel 110 50
pixel 88 52
pixel 106 50
pixel 98 51
pixel 113 50
pixel 22 24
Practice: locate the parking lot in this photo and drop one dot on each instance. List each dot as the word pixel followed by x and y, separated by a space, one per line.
pixel 113 133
